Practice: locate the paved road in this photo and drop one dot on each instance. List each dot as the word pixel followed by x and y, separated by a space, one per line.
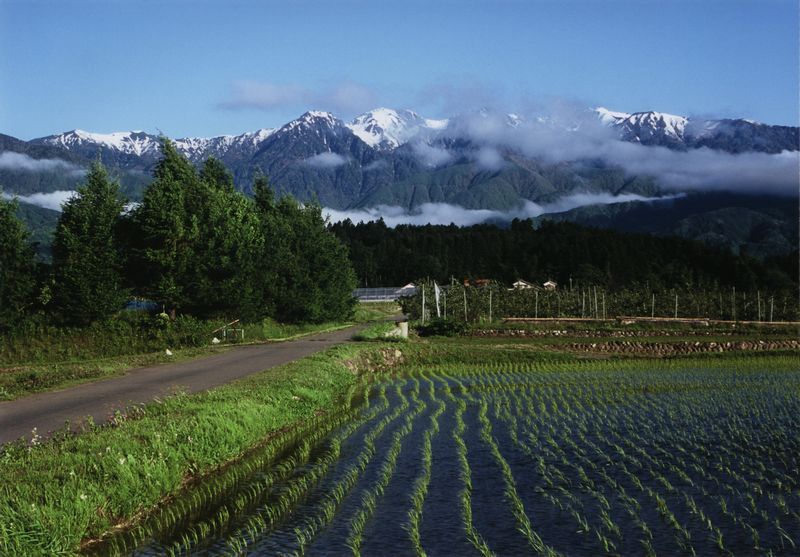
pixel 49 411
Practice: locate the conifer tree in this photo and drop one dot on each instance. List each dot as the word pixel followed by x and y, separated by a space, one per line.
pixel 164 231
pixel 17 267
pixel 306 272
pixel 87 260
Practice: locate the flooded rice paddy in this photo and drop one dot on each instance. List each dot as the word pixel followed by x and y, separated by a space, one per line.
pixel 519 459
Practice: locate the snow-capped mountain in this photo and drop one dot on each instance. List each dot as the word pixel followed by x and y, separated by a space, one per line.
pixel 681 132
pixel 387 129
pixel 135 143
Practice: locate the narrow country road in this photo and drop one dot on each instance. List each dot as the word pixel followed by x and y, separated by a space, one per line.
pixel 49 411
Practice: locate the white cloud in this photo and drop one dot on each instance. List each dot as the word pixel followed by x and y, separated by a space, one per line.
pixel 430 155
pixel 573 134
pixel 325 161
pixel 255 94
pixel 53 200
pixel 444 213
pixel 489 158
pixel 343 96
pixel 22 162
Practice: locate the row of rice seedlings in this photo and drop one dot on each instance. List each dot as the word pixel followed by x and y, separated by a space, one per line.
pixel 510 491
pixel 371 496
pixel 588 485
pixel 739 520
pixel 213 492
pixel 420 489
pixel 466 493
pixel 327 508
pixel 678 456
pixel 246 500
pixel 559 483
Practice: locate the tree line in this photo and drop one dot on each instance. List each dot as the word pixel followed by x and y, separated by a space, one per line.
pixel 572 255
pixel 193 245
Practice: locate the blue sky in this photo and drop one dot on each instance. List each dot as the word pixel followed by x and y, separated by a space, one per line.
pixel 211 68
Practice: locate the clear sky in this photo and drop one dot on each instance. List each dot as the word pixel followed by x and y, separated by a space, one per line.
pixel 211 68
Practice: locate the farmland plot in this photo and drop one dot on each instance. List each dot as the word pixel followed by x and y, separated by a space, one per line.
pixel 692 457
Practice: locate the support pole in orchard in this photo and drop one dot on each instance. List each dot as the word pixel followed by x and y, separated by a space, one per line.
pixel 676 305
pixel 536 306
pixel 771 308
pixel 465 304
pixel 758 303
pixel 733 303
pixel 604 305
pixel 490 305
pixel 653 306
pixel 423 304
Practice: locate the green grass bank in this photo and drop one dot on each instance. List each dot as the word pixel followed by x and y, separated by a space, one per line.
pixel 59 493
pixel 38 358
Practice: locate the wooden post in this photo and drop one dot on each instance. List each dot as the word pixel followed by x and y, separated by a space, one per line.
pixel 771 308
pixel 733 303
pixel 604 305
pixel 676 305
pixel 444 302
pixel 536 310
pixel 583 304
pixel 490 305
pixel 465 304
pixel 595 303
pixel 653 306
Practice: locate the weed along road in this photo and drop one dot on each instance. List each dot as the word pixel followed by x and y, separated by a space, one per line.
pixel 49 411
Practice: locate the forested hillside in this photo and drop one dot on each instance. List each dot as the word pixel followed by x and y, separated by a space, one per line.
pixel 563 252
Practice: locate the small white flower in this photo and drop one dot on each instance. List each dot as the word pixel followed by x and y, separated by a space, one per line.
pixel 122 460
pixel 83 497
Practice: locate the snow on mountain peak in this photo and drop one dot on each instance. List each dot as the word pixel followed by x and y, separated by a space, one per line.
pixel 133 142
pixel 610 117
pixel 312 118
pixel 638 125
pixel 388 128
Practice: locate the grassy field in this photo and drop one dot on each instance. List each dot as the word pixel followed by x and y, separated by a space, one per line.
pixel 473 445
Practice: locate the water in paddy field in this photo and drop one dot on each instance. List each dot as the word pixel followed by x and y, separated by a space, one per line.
pixel 521 460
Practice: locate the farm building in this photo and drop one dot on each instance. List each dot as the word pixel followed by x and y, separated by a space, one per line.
pixel 522 285
pixel 550 285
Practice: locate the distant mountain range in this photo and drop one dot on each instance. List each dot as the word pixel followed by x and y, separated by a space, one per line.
pixel 479 160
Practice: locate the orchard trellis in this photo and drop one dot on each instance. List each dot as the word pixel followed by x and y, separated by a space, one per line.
pixel 475 304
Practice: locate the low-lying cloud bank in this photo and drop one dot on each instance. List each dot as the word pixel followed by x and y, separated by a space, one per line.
pixel 444 213
pixel 10 160
pixel 577 135
pixel 53 200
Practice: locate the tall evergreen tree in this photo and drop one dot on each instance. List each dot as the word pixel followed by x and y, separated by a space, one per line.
pixel 164 231
pixel 216 175
pixel 17 267
pixel 229 240
pixel 87 259
pixel 306 273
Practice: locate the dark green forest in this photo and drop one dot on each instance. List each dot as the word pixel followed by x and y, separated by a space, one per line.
pixel 194 246
pixel 569 254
